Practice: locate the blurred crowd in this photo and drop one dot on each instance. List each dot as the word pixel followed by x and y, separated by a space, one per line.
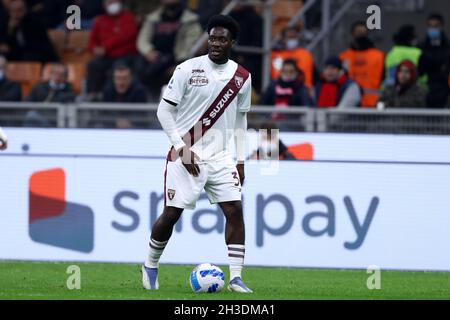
pixel 131 48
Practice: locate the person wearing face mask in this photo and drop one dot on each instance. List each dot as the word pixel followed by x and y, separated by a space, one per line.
pixel 289 48
pixel 435 62
pixel 364 63
pixel 112 39
pixel 165 40
pixel 405 93
pixel 9 90
pixel 288 90
pixel 405 41
pixel 335 88
pixel 56 89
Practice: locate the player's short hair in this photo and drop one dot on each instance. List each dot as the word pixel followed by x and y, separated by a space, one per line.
pixel 226 22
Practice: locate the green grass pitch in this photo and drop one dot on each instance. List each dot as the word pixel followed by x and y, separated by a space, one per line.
pixel 43 280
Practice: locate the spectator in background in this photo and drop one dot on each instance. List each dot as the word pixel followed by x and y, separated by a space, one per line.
pixel 56 89
pixel 405 41
pixel 205 9
pixel 165 40
pixel 4 9
pixel 287 90
pixel 9 90
pixel 124 87
pixel 405 93
pixel 435 62
pixel 270 146
pixel 288 48
pixel 141 8
pixel 364 63
pixel 23 37
pixel 251 26
pixel 112 39
pixel 335 88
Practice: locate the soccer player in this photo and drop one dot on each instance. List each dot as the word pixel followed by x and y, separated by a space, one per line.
pixel 206 99
pixel 3 140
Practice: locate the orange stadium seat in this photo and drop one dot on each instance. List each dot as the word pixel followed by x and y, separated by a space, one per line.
pixel 26 73
pixel 76 75
pixel 76 49
pixel 283 11
pixel 58 39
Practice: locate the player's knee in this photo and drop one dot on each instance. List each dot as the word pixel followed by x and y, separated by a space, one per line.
pixel 233 211
pixel 171 215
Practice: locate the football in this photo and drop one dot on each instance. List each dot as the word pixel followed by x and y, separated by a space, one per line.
pixel 207 277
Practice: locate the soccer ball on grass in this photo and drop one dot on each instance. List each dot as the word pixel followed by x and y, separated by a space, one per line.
pixel 207 277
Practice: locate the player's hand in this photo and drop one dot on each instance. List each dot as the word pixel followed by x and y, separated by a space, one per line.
pixel 188 158
pixel 241 172
pixel 3 145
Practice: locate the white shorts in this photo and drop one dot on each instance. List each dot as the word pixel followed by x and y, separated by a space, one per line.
pixel 219 179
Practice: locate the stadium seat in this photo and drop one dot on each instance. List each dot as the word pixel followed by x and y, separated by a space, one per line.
pixel 76 75
pixel 58 39
pixel 282 12
pixel 27 73
pixel 76 49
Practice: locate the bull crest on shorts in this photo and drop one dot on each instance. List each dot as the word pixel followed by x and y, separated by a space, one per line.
pixel 239 81
pixel 171 194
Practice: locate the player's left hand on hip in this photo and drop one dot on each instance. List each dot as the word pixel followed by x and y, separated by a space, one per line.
pixel 241 172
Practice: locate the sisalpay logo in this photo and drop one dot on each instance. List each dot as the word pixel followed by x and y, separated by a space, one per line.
pixel 264 226
pixel 221 103
pixel 55 221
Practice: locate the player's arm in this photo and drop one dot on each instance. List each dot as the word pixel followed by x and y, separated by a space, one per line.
pixel 3 140
pixel 166 115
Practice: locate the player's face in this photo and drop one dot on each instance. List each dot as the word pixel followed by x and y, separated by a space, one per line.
pixel 219 44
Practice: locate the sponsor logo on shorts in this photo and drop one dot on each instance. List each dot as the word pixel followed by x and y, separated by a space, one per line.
pixel 171 194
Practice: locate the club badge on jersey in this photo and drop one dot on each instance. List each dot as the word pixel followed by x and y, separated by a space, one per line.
pixel 171 194
pixel 239 81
